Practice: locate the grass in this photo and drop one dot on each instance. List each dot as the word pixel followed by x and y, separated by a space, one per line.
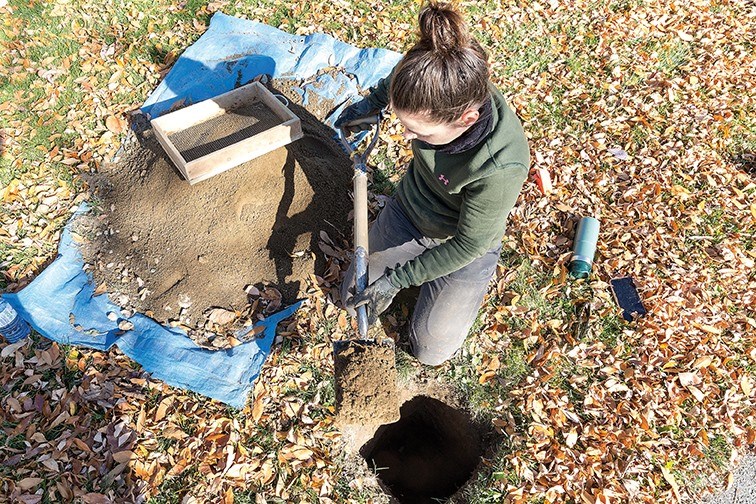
pixel 187 424
pixel 717 224
pixel 17 442
pixel 173 490
pixel 536 48
pixel 718 456
pixel 718 451
pixel 610 330
pixel 740 139
pixel 463 374
pixel 526 54
pixel 383 180
pixel 319 390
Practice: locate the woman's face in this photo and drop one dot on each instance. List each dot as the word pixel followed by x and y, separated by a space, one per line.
pixel 418 126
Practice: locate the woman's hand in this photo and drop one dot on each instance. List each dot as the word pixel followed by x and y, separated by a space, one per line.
pixel 355 117
pixel 377 296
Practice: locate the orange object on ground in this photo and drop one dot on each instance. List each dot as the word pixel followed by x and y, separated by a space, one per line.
pixel 543 179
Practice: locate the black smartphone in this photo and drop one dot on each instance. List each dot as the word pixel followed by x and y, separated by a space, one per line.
pixel 626 296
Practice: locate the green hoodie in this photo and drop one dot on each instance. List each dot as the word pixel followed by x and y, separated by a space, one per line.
pixel 461 198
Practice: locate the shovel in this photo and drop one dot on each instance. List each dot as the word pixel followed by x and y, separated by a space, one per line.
pixel 365 369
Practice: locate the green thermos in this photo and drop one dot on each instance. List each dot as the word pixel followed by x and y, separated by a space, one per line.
pixel 584 247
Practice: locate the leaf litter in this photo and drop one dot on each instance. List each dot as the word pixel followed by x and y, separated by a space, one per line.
pixel 651 411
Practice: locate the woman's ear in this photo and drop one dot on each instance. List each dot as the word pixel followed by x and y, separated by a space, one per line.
pixel 469 117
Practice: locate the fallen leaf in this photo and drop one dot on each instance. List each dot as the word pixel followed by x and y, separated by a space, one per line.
pixel 687 379
pixel 27 483
pixel 124 456
pixel 670 478
pixel 221 316
pixel 745 385
pixel 114 124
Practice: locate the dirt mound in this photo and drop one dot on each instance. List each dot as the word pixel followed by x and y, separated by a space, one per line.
pixel 173 251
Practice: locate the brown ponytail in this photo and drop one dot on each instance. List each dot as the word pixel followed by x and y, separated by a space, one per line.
pixel 445 72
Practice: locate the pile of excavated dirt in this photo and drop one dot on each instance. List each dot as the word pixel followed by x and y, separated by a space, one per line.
pixel 175 251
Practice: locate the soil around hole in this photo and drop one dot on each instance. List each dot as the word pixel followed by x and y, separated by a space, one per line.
pixel 173 251
pixel 429 454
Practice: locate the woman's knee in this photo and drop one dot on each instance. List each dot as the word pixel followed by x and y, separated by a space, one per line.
pixel 431 358
pixel 434 350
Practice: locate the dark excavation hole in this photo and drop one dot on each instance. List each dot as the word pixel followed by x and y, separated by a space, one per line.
pixel 429 454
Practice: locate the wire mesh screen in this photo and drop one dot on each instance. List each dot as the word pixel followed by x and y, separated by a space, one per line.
pixel 229 128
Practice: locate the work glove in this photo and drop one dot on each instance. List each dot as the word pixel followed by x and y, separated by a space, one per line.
pixel 377 296
pixel 353 118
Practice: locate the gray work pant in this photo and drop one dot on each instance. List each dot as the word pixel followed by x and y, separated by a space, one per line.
pixel 447 306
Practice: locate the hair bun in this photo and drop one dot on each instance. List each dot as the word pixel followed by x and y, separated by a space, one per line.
pixel 442 28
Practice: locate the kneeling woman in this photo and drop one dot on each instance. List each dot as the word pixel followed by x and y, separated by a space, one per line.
pixel 442 230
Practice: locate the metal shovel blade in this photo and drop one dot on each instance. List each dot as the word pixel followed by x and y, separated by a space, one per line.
pixel 365 371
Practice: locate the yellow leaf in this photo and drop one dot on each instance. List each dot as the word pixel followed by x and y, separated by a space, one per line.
pixel 494 364
pixel 163 408
pixel 670 478
pixel 702 362
pixel 257 408
pixel 302 454
pixel 11 192
pixel 571 438
pixel 707 328
pixel 486 376
pixel 745 384
pixel 101 289
pixel 670 364
pixel 678 190
pixel 687 379
pixel 267 472
pixel 141 419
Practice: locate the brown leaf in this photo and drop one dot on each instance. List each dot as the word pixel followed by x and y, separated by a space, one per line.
pixel 257 408
pixel 27 483
pixel 115 124
pixel 95 498
pixel 101 289
pixel 745 385
pixel 221 316
pixel 123 456
pixel 163 408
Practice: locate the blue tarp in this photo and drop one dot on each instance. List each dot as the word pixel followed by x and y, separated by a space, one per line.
pixel 234 51
pixel 60 303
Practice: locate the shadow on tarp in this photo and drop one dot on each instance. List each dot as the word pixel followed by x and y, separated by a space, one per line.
pixel 60 303
pixel 234 51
